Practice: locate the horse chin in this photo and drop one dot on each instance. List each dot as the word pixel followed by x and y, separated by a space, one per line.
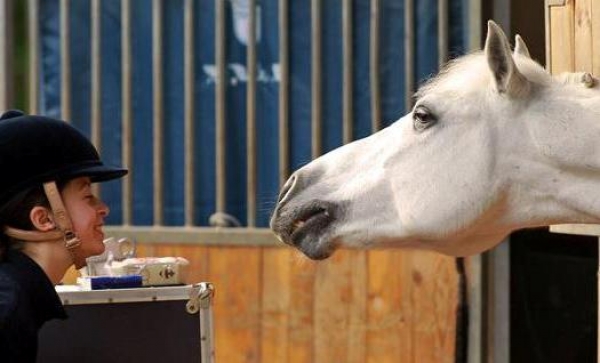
pixel 318 251
pixel 309 228
pixel 314 240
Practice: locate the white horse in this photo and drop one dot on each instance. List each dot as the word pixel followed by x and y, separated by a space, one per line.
pixel 493 144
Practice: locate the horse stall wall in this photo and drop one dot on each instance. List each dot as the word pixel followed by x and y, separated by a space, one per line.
pixel 228 114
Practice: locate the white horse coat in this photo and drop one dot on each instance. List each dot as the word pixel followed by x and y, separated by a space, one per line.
pixel 493 144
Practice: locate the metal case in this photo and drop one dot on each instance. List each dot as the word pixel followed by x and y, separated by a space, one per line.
pixel 152 324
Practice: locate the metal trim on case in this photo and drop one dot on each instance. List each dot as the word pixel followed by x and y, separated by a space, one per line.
pixel 204 297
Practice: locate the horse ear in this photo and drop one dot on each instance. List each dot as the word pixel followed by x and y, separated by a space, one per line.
pixel 507 77
pixel 521 47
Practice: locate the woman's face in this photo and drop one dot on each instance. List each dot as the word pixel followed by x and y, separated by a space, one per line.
pixel 87 214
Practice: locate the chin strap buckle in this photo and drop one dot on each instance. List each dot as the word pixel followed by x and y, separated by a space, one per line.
pixel 71 240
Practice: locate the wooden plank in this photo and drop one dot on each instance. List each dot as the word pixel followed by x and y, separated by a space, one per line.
pixel 144 250
pixel 276 291
pixel 331 296
pixel 236 275
pixel 433 298
pixel 595 35
pixel 583 41
pixel 338 286
pixel 582 229
pixel 301 314
pixel 562 55
pixel 389 338
pixel 357 332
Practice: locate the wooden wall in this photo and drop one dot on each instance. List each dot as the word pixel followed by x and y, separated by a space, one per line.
pixel 273 305
pixel 571 27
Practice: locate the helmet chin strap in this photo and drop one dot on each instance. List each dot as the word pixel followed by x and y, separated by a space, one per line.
pixel 63 224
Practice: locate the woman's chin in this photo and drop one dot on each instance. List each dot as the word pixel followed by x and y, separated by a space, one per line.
pixel 95 249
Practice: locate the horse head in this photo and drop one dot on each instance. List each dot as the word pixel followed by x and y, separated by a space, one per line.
pixel 493 143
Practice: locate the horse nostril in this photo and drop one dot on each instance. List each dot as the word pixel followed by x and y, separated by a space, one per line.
pixel 288 188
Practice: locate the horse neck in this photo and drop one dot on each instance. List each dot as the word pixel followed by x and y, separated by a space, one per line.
pixel 561 178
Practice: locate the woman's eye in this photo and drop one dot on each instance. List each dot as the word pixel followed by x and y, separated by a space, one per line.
pixel 422 118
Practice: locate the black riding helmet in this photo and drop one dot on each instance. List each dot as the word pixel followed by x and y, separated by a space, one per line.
pixel 38 149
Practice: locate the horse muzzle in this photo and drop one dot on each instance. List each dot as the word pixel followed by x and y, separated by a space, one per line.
pixel 306 226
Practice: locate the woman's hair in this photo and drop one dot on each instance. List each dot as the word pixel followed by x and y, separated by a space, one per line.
pixel 15 213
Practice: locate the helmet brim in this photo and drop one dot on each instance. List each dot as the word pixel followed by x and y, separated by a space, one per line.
pixel 98 173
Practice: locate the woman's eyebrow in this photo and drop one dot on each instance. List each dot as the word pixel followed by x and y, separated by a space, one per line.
pixel 85 184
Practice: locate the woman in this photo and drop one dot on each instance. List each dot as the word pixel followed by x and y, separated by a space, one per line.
pixel 49 221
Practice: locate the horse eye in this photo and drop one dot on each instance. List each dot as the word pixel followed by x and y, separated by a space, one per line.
pixel 422 118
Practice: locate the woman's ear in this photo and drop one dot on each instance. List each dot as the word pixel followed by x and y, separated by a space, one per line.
pixel 41 218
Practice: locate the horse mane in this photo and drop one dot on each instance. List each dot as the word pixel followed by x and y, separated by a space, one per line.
pixel 471 72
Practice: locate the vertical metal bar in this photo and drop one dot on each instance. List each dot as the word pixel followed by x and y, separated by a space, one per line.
pixel 284 94
pixel 475 25
pixel 6 44
pixel 189 76
pixel 65 61
pixel 127 114
pixel 409 53
pixel 33 39
pixel 220 88
pixel 96 66
pixel 157 92
pixel 476 295
pixel 374 76
pixel 498 350
pixel 442 32
pixel 96 86
pixel 251 116
pixel 477 278
pixel 316 77
pixel 348 86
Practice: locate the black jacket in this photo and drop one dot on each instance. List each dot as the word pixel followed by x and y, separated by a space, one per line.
pixel 27 300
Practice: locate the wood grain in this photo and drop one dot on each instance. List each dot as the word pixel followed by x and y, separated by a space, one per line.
pixel 275 311
pixel 595 35
pixel 301 310
pixel 389 338
pixel 562 55
pixel 583 47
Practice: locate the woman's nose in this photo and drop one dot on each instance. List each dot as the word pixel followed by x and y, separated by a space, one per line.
pixel 103 209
